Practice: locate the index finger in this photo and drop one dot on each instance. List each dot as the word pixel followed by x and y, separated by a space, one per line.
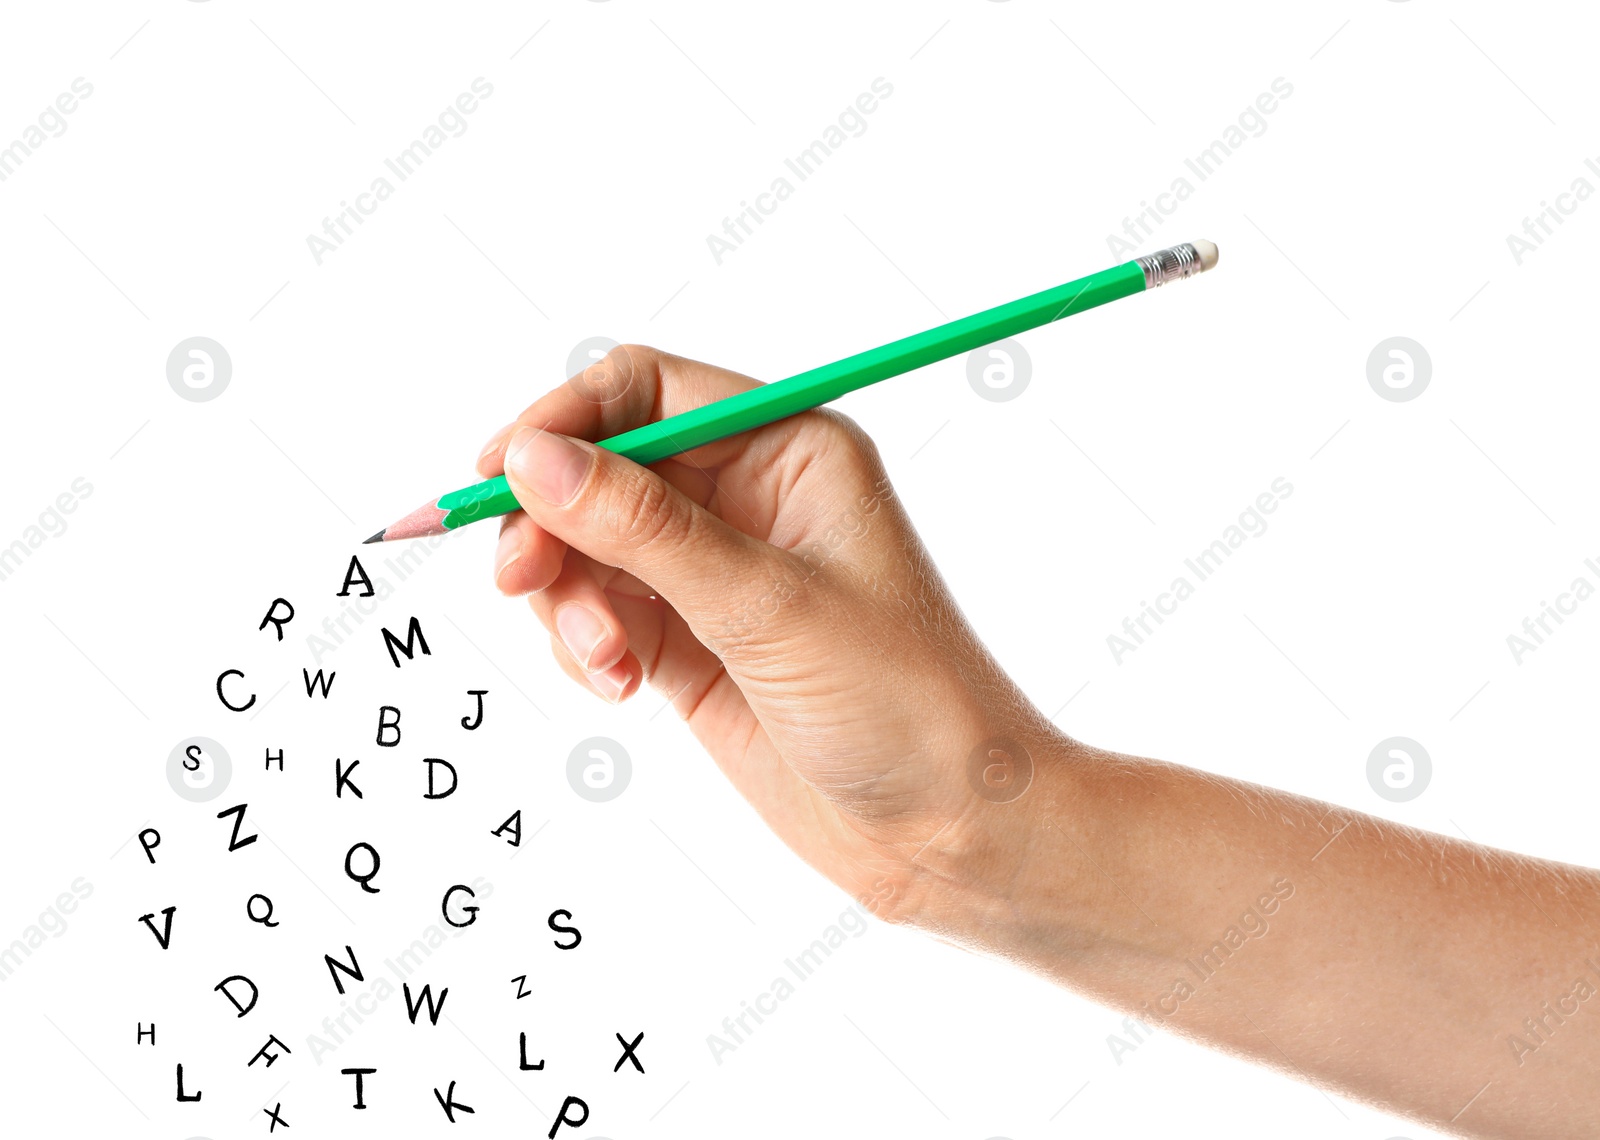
pixel 634 385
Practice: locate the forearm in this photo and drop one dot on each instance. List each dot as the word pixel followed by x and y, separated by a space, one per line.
pixel 1396 966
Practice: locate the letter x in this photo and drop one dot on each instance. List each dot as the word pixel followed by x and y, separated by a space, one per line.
pixel 627 1051
pixel 276 1119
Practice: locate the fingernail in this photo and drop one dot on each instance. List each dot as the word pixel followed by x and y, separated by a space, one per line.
pixel 613 682
pixel 495 441
pixel 581 631
pixel 506 552
pixel 549 465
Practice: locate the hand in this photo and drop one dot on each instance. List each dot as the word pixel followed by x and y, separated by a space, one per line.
pixel 772 587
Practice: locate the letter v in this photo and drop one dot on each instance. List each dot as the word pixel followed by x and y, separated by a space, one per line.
pixel 164 937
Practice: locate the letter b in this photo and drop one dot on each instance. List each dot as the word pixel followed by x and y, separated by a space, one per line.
pixel 386 725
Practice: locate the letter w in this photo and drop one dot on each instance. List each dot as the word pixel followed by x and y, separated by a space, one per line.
pixel 424 995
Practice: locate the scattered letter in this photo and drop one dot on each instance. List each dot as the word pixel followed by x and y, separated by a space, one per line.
pixel 221 696
pixel 413 635
pixel 364 880
pixel 234 842
pixel 384 724
pixel 227 993
pixel 249 909
pixel 471 910
pixel 513 825
pixel 277 622
pixel 430 794
pixel 472 722
pixel 354 971
pixel 561 1117
pixel 356 573
pixel 164 937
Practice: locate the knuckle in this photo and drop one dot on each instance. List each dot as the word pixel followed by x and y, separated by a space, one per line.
pixel 642 353
pixel 608 378
pixel 627 370
pixel 847 442
pixel 633 362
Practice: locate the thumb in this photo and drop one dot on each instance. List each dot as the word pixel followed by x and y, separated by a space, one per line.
pixel 625 515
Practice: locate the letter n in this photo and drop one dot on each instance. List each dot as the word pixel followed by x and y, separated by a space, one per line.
pixel 335 967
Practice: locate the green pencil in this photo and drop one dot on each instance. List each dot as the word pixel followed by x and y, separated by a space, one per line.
pixel 770 402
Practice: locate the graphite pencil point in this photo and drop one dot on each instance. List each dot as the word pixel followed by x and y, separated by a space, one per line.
pixel 426 520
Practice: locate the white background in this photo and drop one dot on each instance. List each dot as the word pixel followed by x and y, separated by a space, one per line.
pixel 578 202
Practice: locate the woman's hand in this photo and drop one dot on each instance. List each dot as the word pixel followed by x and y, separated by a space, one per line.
pixel 771 586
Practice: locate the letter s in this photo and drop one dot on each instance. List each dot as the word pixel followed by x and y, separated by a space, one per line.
pixel 559 929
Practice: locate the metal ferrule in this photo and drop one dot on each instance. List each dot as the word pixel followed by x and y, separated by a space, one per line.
pixel 1169 265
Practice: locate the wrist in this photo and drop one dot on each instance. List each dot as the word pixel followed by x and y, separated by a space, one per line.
pixel 1007 871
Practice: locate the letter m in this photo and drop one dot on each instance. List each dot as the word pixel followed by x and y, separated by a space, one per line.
pixel 414 641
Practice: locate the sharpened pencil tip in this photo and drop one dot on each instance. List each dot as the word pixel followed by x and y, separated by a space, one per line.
pixel 375 538
pixel 425 521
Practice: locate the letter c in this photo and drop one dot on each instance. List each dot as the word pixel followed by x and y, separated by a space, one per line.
pixel 221 696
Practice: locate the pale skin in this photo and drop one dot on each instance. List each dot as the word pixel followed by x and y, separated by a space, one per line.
pixel 772 588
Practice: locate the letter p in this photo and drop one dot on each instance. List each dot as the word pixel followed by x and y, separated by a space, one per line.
pixel 563 1118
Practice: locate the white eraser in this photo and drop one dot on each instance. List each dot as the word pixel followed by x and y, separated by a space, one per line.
pixel 1208 253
